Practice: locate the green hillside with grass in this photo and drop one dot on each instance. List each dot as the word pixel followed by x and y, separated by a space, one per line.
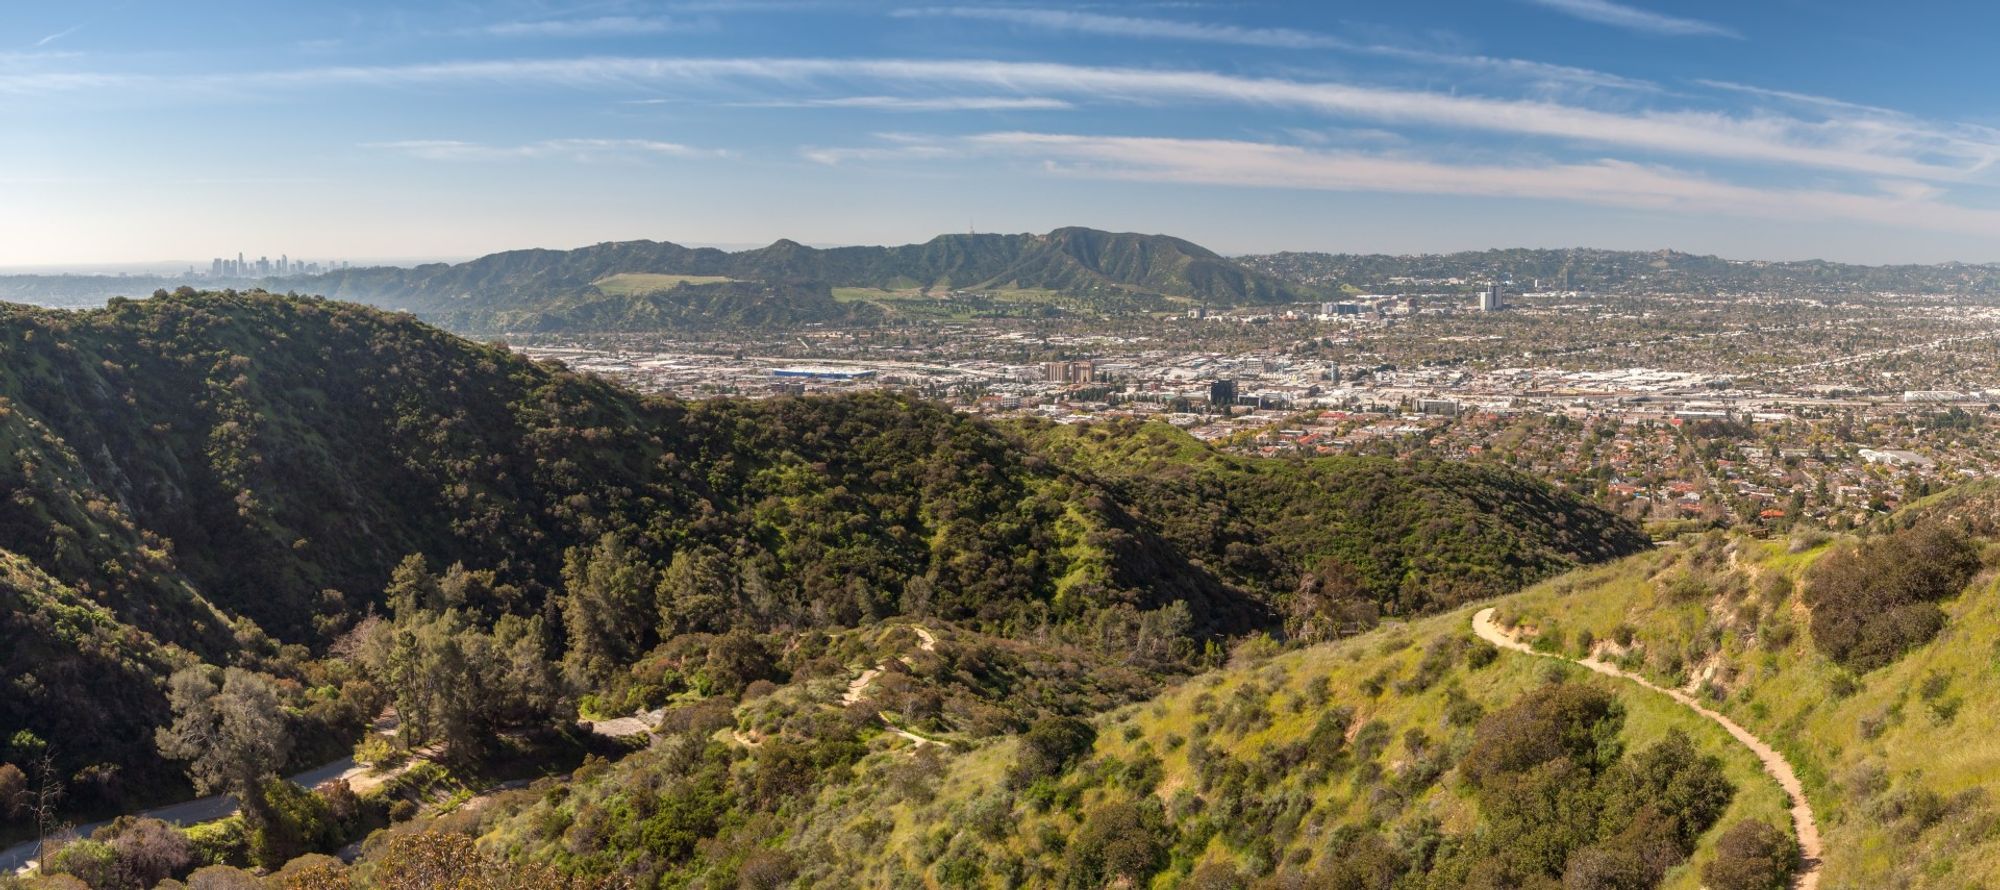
pixel 1895 741
pixel 1406 757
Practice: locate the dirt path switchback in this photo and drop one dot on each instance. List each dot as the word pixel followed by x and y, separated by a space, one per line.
pixel 1775 764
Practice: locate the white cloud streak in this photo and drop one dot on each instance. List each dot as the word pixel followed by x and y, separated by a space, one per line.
pixel 45 41
pixel 1275 38
pixel 1130 26
pixel 1868 145
pixel 1855 145
pixel 1611 183
pixel 566 149
pixel 927 103
pixel 1632 18
pixel 605 26
pixel 1796 98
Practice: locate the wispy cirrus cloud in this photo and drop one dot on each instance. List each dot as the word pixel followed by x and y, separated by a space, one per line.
pixel 1604 182
pixel 1135 27
pixel 45 41
pixel 1858 145
pixel 1795 98
pixel 1632 18
pixel 1901 148
pixel 602 26
pixel 1132 26
pixel 926 103
pixel 568 149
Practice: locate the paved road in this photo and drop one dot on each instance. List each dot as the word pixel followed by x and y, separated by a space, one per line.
pixel 1774 763
pixel 625 727
pixel 207 809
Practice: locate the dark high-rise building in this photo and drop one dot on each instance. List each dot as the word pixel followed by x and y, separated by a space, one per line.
pixel 1222 392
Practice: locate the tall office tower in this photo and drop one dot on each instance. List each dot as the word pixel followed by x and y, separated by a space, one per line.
pixel 1222 392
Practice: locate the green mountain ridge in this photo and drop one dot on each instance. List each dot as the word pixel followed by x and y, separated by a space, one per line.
pixel 1071 260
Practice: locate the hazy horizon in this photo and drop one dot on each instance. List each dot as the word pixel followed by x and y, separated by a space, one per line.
pixel 169 268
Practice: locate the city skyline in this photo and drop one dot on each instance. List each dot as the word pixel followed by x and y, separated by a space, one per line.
pixel 454 131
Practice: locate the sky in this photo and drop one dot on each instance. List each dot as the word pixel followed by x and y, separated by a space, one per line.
pixel 170 132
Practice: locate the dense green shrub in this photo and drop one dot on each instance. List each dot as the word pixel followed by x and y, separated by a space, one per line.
pixel 1751 855
pixel 1576 721
pixel 1122 842
pixel 90 861
pixel 1049 747
pixel 1876 599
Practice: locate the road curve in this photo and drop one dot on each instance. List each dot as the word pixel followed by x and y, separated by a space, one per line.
pixel 1775 764
pixel 206 809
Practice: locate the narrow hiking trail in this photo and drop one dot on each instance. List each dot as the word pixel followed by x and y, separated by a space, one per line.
pixel 857 691
pixel 1775 764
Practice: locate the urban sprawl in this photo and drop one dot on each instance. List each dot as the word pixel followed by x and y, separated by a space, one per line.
pixel 1748 410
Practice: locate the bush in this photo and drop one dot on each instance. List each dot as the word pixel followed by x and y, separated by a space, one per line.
pixel 402 811
pixel 1049 747
pixel 92 862
pixel 374 750
pixel 1751 855
pixel 1123 843
pixel 149 851
pixel 1560 720
pixel 219 843
pixel 1214 876
pixel 1873 601
pixel 298 822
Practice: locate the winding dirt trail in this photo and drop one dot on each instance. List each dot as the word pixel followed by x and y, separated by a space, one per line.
pixel 857 690
pixel 1774 763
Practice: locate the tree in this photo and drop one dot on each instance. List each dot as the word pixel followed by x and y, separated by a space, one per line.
pixel 1874 600
pixel 1123 843
pixel 13 791
pixel 1559 720
pixel 457 683
pixel 1331 601
pixel 223 877
pixel 696 592
pixel 43 799
pixel 607 607
pixel 232 735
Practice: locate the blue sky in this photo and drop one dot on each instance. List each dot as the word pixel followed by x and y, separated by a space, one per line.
pixel 143 131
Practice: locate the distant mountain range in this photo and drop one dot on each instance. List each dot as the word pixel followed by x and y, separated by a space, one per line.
pixel 655 285
pixel 1629 271
pixel 550 288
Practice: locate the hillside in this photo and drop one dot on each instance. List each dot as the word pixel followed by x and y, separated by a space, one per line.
pixel 1086 264
pixel 1412 756
pixel 237 478
pixel 1895 745
pixel 682 306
